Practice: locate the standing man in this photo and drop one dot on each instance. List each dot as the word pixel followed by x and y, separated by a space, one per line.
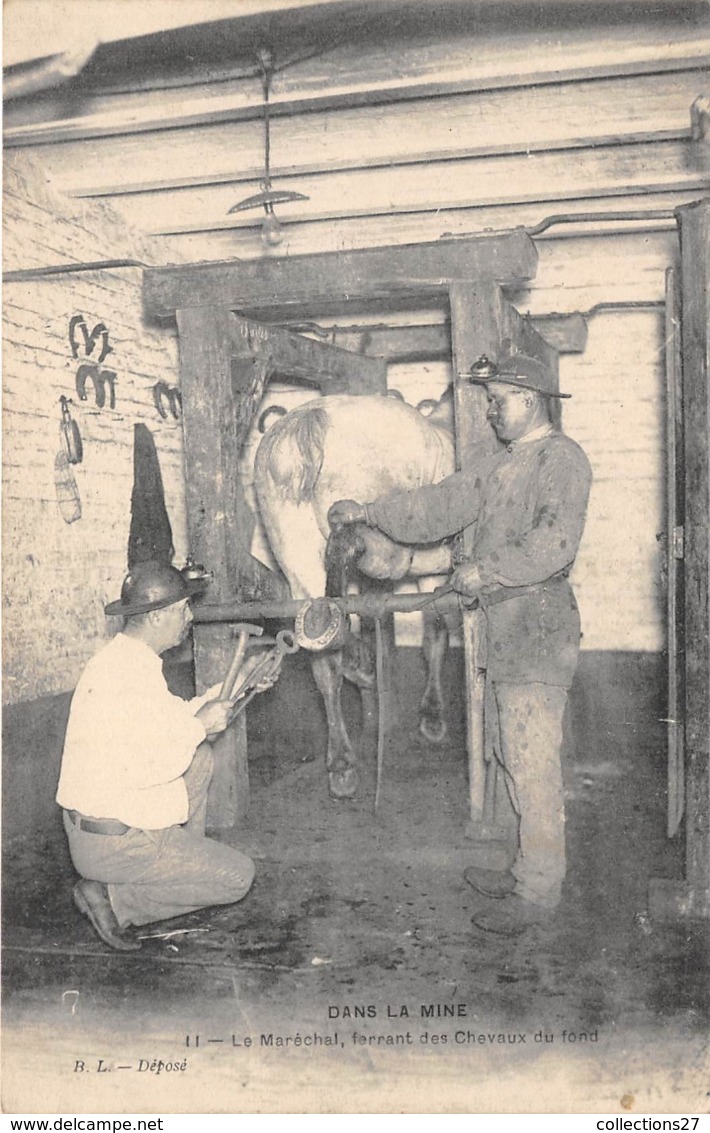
pixel 135 772
pixel 526 506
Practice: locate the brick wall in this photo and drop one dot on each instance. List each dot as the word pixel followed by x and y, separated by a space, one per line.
pixel 57 575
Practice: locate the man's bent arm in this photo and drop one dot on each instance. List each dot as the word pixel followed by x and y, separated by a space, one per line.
pixel 431 513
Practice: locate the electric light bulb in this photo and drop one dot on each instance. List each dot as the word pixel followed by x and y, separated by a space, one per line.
pixel 271 230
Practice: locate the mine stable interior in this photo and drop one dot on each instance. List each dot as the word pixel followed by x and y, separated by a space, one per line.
pixel 453 178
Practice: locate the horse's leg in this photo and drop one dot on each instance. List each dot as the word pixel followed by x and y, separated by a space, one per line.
pixel 340 760
pixel 432 724
pixel 299 547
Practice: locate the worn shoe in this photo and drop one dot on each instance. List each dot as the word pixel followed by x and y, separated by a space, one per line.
pixel 490 882
pixel 512 918
pixel 91 898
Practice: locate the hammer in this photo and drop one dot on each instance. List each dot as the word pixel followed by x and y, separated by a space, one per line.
pixel 243 631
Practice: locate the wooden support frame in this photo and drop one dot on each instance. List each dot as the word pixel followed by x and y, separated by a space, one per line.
pixel 227 359
pixel 296 285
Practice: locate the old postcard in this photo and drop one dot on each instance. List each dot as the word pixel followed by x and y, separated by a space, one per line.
pixel 355 365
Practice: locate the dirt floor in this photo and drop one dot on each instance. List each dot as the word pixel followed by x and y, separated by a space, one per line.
pixel 351 978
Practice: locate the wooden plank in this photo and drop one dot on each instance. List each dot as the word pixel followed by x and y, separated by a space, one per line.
pixel 468 183
pixel 407 228
pixel 381 72
pixel 361 274
pixel 567 333
pixel 695 339
pixel 572 115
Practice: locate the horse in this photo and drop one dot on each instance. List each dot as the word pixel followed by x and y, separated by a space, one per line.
pixel 356 447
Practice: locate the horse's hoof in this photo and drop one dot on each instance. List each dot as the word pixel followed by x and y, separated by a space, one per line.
pixel 358 677
pixel 435 733
pixel 343 784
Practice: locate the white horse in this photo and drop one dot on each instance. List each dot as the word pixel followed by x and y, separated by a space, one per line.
pixel 347 447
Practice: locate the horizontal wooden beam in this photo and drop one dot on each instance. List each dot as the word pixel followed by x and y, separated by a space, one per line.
pixel 333 368
pixel 567 333
pixel 570 115
pixel 364 274
pixel 378 73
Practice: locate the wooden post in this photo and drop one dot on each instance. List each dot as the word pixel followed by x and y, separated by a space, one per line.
pixel 222 384
pixel 475 330
pixel 483 322
pixel 695 341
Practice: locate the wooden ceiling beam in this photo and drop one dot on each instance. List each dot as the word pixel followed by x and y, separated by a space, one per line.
pixel 567 116
pixel 300 283
pixel 344 78
pixel 567 333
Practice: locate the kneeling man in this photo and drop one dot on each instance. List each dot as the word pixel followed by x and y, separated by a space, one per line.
pixel 136 767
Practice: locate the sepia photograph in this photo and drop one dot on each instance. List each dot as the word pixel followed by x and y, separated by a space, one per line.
pixel 355 557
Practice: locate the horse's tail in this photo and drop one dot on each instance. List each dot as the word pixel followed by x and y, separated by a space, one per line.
pixel 291 454
pixel 344 547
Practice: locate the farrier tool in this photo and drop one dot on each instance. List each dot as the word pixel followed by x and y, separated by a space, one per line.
pixel 285 643
pixel 243 631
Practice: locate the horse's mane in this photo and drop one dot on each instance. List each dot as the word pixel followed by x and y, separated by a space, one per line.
pixel 291 453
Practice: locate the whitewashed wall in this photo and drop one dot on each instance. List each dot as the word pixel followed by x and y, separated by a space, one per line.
pixel 57 575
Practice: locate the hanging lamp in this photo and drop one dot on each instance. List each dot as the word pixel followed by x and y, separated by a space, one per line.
pixel 271 230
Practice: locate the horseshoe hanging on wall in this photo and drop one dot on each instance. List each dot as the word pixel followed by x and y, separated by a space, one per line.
pixel 100 378
pixel 161 390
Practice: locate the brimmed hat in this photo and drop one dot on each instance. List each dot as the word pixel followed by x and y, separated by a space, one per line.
pixel 151 585
pixel 517 370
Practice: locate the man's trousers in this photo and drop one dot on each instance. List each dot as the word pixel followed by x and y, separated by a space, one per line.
pixel 156 874
pixel 528 745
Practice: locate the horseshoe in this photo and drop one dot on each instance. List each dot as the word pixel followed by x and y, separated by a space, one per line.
pixel 89 339
pixel 159 390
pixel 173 396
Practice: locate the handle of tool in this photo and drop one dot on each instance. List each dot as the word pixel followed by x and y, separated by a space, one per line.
pixel 253 679
pixel 242 704
pixel 233 671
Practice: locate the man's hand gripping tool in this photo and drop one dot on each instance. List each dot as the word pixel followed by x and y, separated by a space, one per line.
pixel 285 643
